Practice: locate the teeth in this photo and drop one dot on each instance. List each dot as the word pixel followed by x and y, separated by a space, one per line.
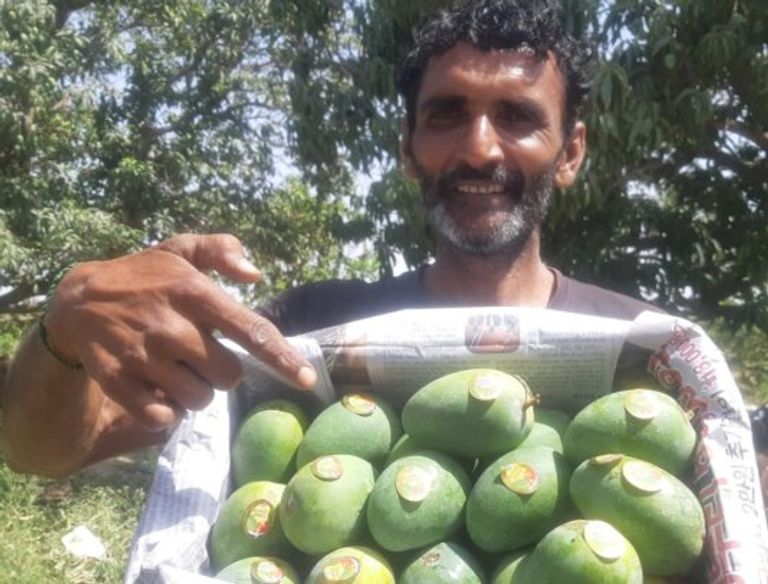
pixel 480 190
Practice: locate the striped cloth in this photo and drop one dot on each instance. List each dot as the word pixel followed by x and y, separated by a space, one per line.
pixel 191 482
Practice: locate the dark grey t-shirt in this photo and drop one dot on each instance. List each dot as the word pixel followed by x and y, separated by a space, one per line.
pixel 333 302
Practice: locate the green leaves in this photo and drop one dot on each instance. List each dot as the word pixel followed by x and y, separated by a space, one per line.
pixel 610 85
pixel 55 237
pixel 695 240
pixel 124 122
pixel 295 237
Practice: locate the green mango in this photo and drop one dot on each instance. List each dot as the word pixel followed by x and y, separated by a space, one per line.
pixel 548 430
pixel 473 413
pixel 519 498
pixel 509 566
pixel 555 419
pixel 581 552
pixel 644 423
pixel 418 500
pixel 654 510
pixel 444 563
pixel 259 570
pixel 323 505
pixel 363 425
pixel 248 524
pixel 264 447
pixel 352 565
pixel 406 446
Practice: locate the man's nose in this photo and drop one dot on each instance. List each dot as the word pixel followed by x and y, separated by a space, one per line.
pixel 482 145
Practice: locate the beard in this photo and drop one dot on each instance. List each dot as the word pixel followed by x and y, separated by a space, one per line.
pixel 510 228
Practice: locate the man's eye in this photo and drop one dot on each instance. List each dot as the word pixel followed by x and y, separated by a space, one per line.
pixel 517 117
pixel 445 115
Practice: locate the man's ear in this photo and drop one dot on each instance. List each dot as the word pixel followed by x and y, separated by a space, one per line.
pixel 406 150
pixel 572 156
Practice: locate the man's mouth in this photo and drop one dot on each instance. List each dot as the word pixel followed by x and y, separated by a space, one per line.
pixel 466 186
pixel 479 189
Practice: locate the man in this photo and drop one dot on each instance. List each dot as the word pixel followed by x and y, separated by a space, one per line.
pixel 492 92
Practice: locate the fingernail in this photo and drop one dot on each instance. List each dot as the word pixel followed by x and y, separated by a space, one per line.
pixel 245 265
pixel 307 377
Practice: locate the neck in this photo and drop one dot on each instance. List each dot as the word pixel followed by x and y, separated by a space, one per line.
pixel 462 279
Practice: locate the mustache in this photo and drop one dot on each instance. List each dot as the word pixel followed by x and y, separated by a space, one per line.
pixel 511 181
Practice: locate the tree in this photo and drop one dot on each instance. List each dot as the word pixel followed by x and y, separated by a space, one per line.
pixel 678 118
pixel 137 119
pixel 122 123
pixel 42 227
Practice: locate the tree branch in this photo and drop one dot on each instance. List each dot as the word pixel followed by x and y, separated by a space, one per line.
pixel 755 135
pixel 755 173
pixel 66 7
pixel 14 296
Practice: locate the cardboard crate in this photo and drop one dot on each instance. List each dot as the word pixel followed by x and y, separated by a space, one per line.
pixel 570 359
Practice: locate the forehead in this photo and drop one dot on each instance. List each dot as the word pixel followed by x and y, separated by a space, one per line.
pixel 469 72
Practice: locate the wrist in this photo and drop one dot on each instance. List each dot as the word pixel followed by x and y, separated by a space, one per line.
pixel 52 325
pixel 54 349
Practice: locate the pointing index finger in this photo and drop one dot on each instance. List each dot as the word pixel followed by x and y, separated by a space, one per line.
pixel 217 310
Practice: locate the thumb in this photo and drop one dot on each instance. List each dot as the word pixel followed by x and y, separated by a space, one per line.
pixel 220 252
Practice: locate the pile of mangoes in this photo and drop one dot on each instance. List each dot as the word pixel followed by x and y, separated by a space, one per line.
pixel 471 482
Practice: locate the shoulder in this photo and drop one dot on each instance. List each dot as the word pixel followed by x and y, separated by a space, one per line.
pixel 332 302
pixel 574 296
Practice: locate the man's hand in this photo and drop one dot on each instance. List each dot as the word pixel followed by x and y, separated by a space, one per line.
pixel 142 326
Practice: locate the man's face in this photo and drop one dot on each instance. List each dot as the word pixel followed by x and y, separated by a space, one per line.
pixel 488 146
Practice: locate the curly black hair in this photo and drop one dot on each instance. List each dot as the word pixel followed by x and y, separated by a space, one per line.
pixel 499 24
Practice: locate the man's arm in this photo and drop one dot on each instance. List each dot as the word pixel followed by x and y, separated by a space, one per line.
pixel 142 326
pixel 57 420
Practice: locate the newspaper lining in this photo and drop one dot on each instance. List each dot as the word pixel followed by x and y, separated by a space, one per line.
pixel 568 359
